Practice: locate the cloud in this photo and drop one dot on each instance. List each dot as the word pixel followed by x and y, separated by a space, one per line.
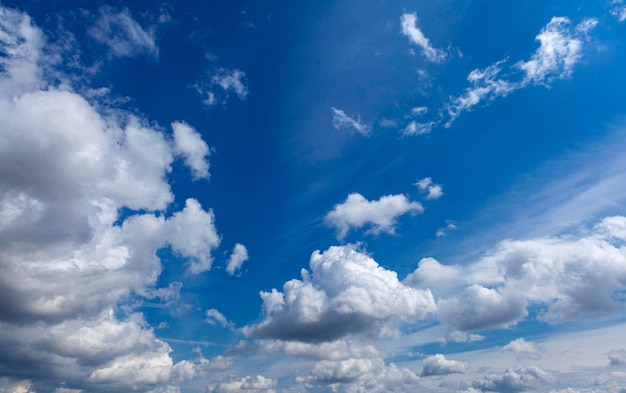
pixel 359 375
pixel 481 308
pixel 617 357
pixel 69 168
pixel 417 128
pixel 619 12
pixel 194 150
pixel 237 258
pixel 522 349
pixel 249 384
pixel 342 121
pixel 415 35
pixel 214 317
pixel 231 81
pixel 517 379
pixel 123 35
pixel 560 49
pixel 433 191
pixel 380 215
pixel 419 110
pixel 332 350
pixel 441 232
pixel 346 292
pixel 439 365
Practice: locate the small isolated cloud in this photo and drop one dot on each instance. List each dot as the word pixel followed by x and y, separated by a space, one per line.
pixel 214 317
pixel 342 121
pixel 419 110
pixel 439 365
pixel 345 292
pixel 433 191
pixel 523 349
pixel 380 215
pixel 248 384
pixel 237 258
pixel 617 357
pixel 123 35
pixel 231 81
pixel 517 379
pixel 415 35
pixel 441 232
pixel 194 150
pixel 619 12
pixel 417 128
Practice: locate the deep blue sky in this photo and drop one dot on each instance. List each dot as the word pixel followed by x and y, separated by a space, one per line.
pixel 514 186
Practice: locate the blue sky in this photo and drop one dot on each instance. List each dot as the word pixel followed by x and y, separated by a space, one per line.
pixel 328 196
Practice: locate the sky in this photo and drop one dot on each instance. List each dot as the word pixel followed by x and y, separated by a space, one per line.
pixel 313 196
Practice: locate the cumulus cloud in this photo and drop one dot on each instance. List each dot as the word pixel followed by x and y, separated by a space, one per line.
pixel 341 121
pixel 517 379
pixel 346 292
pixel 380 215
pixel 617 357
pixel 568 277
pixel 68 168
pixel 237 258
pixel 194 150
pixel 433 191
pixel 415 35
pixel 124 36
pixel 432 274
pixel 441 232
pixel 523 349
pixel 439 365
pixel 250 384
pixel 332 350
pixel 560 50
pixel 359 375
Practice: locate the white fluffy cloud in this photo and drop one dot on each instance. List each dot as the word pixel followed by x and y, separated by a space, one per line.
pixel 439 365
pixel 123 35
pixel 345 292
pixel 432 190
pixel 380 215
pixel 342 121
pixel 194 150
pixel 523 349
pixel 236 259
pixel 514 380
pixel 415 35
pixel 68 259
pixel 249 384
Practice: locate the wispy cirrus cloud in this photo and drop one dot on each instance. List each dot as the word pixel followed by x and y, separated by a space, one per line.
pixel 342 121
pixel 415 35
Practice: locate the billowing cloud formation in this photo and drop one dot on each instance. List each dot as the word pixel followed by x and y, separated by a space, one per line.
pixel 379 215
pixel 560 49
pixel 359 375
pixel 345 292
pixel 122 34
pixel 67 172
pixel 522 349
pixel 342 121
pixel 237 258
pixel 439 365
pixel 514 380
pixel 569 277
pixel 415 35
pixel 249 384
